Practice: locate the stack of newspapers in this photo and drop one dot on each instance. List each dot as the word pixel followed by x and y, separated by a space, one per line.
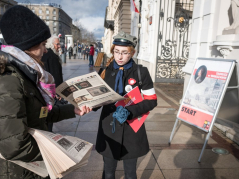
pixel 61 154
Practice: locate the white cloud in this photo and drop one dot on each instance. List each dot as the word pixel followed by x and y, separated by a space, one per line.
pixel 92 23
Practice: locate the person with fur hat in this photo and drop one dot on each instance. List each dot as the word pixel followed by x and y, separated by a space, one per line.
pixel 116 140
pixel 27 91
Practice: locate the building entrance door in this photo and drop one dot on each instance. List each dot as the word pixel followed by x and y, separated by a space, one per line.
pixel 174 40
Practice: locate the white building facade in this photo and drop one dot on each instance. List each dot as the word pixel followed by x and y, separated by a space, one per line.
pixel 163 41
pixel 164 38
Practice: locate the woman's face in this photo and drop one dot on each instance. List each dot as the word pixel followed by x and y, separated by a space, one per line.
pixel 38 50
pixel 122 55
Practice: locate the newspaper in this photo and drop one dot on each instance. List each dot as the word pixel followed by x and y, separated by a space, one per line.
pixel 37 167
pixel 61 154
pixel 89 90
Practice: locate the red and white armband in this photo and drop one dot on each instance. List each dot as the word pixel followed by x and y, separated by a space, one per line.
pixel 149 94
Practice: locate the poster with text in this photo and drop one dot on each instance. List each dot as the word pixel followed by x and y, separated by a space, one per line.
pixel 204 92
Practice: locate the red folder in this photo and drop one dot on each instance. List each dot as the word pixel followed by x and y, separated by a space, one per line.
pixel 133 97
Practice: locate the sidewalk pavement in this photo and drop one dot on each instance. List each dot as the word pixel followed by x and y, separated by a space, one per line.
pixel 178 161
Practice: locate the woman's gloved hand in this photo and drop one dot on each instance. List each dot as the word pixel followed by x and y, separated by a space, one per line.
pixel 121 114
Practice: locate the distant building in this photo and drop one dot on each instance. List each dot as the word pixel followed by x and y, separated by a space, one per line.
pixel 56 18
pixel 76 33
pixel 5 5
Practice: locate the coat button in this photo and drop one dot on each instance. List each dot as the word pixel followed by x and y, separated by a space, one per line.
pixel 32 94
pixel 113 74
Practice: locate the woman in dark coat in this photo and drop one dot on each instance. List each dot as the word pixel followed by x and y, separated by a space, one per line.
pixel 26 90
pixel 123 143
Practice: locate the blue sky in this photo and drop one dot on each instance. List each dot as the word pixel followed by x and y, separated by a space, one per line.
pixel 90 12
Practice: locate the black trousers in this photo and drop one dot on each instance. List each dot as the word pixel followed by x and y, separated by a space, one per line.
pixel 111 164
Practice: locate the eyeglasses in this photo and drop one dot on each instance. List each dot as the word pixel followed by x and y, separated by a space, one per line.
pixel 58 44
pixel 121 53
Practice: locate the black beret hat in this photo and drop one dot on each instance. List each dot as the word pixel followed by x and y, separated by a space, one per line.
pixel 125 39
pixel 22 28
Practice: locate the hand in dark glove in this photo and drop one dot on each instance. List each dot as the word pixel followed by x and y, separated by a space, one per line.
pixel 121 114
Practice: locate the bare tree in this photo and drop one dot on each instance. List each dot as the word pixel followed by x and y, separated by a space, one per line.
pixel 87 36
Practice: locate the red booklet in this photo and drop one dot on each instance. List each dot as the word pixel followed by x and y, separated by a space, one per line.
pixel 133 97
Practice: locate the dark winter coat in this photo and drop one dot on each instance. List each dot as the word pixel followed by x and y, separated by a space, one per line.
pixel 53 66
pixel 124 143
pixel 87 50
pixel 92 50
pixel 70 50
pixel 20 105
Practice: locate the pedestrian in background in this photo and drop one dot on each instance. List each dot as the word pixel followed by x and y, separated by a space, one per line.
pixel 70 51
pixel 91 57
pixel 96 51
pixel 52 63
pixel 79 51
pixel 27 91
pixel 84 53
pixel 75 51
pixel 116 140
pixel 87 51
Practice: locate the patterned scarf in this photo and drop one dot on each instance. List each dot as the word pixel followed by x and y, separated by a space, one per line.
pixel 45 81
pixel 119 77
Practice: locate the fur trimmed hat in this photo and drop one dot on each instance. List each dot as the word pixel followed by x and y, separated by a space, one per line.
pixel 22 28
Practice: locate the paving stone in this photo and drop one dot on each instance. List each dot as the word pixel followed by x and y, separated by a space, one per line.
pixel 88 136
pixel 92 116
pixel 201 174
pixel 88 126
pixel 147 174
pixel 168 126
pixel 162 137
pixel 157 117
pixel 68 125
pixel 162 102
pixel 146 162
pixel 188 159
pixel 66 133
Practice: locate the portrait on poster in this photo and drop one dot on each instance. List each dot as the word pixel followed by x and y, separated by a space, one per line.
pixel 200 74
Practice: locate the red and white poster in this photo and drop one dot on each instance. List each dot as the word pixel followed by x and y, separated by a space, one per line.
pixel 204 92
